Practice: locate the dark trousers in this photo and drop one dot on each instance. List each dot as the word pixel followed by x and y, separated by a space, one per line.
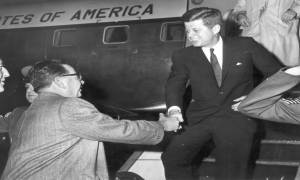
pixel 233 146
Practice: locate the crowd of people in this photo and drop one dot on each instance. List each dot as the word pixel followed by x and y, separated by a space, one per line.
pixel 60 136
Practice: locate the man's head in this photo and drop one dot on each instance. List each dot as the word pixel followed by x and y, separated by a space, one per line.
pixel 203 26
pixel 3 74
pixel 53 76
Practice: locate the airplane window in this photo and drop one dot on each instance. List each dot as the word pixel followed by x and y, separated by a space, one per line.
pixel 65 37
pixel 116 34
pixel 172 32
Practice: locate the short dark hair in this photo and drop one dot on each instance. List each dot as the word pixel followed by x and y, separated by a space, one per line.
pixel 43 73
pixel 209 16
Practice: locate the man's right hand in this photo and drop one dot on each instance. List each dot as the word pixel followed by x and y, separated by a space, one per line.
pixel 169 123
pixel 177 114
pixel 243 20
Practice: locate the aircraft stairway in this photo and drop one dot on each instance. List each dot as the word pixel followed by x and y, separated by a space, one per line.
pixel 275 155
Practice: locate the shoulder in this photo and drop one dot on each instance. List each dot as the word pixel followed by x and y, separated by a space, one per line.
pixel 184 51
pixel 19 110
pixel 75 104
pixel 238 39
pixel 241 43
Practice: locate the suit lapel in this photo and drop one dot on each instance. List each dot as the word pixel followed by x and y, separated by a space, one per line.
pixel 200 57
pixel 205 66
pixel 228 53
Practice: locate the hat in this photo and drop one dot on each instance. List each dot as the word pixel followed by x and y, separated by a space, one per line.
pixel 25 70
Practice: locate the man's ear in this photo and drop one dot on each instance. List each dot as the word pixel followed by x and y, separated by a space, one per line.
pixel 216 29
pixel 59 83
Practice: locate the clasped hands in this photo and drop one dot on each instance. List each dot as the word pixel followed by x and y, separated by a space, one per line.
pixel 175 117
pixel 171 122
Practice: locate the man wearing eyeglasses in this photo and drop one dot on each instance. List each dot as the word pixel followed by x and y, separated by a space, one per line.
pixel 60 135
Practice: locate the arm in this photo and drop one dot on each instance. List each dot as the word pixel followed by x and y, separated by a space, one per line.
pixel 176 83
pixel 292 13
pixel 265 102
pixel 263 60
pixel 296 8
pixel 175 88
pixel 240 7
pixel 4 122
pixel 239 13
pixel 82 119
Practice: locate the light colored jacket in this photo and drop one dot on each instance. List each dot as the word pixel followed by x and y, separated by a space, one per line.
pixel 61 138
pixel 266 102
pixel 267 28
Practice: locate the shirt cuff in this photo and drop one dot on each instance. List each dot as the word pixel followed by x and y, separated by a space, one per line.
pixel 174 108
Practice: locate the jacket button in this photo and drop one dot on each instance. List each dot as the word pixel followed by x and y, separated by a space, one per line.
pixel 221 92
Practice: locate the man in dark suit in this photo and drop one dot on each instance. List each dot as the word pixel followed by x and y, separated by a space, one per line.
pixel 217 77
pixel 266 102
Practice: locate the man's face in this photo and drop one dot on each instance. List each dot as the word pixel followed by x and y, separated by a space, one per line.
pixel 73 83
pixel 200 35
pixel 3 74
pixel 30 94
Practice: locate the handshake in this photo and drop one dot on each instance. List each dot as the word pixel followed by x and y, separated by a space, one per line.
pixel 171 123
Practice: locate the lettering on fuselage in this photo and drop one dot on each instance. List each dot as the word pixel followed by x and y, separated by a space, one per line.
pixel 113 12
pixel 101 13
pixel 17 19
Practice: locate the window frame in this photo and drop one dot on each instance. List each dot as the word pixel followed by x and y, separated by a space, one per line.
pixel 55 37
pixel 162 31
pixel 104 34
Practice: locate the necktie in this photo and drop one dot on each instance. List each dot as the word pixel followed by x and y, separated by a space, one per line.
pixel 216 66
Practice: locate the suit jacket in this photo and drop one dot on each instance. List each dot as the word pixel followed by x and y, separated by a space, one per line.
pixel 266 102
pixel 61 138
pixel 9 122
pixel 239 56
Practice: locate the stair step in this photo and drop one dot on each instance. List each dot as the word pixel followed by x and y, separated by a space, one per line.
pixel 263 169
pixel 263 162
pixel 281 142
pixel 268 130
pixel 285 150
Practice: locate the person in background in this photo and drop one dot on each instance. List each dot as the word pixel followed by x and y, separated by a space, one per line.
pixel 220 69
pixel 3 74
pixel 9 121
pixel 274 24
pixel 60 136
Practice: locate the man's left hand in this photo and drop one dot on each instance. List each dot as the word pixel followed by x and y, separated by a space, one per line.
pixel 288 15
pixel 239 100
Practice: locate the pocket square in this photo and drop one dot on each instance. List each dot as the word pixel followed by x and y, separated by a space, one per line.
pixel 238 63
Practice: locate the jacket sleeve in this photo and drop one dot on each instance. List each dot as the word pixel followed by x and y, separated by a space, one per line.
pixel 263 60
pixel 240 7
pixel 296 7
pixel 265 102
pixel 4 122
pixel 176 83
pixel 82 119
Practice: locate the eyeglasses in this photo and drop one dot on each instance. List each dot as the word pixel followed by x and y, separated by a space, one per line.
pixel 79 77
